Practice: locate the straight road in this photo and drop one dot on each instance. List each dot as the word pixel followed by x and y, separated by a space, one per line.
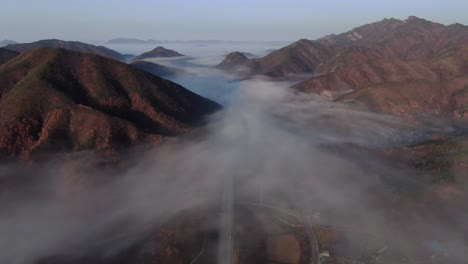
pixel 226 243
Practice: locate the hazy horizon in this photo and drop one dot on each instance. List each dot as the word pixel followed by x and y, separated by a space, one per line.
pixel 255 20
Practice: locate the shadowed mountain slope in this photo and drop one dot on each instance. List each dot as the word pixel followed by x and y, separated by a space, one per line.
pixel 157 69
pixel 6 55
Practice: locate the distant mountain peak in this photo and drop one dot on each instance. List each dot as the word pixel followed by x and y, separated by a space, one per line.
pixel 158 48
pixel 159 52
pixel 457 25
pixel 7 42
pixel 414 18
pixel 233 61
pixel 236 54
pixel 391 19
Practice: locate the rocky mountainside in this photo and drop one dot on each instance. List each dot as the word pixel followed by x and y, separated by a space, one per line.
pixel 420 68
pixel 411 39
pixel 69 45
pixel 55 99
pixel 369 33
pixel 301 57
pixel 6 55
pixel 159 52
pixel 345 75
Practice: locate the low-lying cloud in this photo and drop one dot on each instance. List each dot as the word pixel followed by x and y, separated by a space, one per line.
pixel 321 155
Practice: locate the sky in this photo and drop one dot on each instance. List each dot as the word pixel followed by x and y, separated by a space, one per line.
pixel 257 20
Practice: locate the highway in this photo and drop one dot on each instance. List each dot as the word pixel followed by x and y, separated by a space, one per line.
pixel 226 242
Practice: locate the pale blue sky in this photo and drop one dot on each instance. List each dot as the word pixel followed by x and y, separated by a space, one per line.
pixel 87 20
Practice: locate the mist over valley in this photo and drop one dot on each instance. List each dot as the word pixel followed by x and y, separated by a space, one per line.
pixel 348 148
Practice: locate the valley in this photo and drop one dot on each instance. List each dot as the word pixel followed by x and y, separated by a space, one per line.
pixel 351 148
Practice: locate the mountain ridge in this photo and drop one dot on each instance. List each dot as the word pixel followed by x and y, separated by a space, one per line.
pixel 69 45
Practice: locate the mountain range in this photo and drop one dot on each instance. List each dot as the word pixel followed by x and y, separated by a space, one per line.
pixel 403 67
pixel 131 41
pixel 12 50
pixel 135 41
pixel 413 38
